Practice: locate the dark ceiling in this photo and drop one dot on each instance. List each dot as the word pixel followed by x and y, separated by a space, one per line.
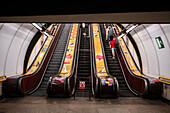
pixel 63 7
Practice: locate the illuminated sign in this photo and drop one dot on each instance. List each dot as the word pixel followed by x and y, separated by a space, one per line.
pixel 159 42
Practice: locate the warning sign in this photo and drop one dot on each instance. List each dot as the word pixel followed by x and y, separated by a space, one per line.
pixel 82 84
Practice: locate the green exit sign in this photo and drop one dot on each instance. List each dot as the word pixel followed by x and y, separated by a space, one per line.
pixel 159 42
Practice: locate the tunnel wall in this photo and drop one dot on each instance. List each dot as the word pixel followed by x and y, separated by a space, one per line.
pixel 14 41
pixel 155 60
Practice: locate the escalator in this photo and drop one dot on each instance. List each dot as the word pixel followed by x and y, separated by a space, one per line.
pixel 125 69
pixel 84 65
pixel 54 64
pixel 115 68
pixel 25 84
pixel 63 83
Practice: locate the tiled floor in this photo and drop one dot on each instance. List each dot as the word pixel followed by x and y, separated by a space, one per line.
pixel 82 105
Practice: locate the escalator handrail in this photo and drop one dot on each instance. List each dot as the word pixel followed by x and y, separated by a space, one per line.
pixel 3 78
pixel 91 59
pixel 94 62
pixel 164 80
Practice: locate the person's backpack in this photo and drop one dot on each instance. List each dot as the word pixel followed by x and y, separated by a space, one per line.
pixel 116 44
pixel 110 32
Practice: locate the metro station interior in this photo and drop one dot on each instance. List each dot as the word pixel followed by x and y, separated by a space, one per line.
pixel 66 65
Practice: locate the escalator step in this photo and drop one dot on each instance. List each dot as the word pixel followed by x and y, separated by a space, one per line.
pixel 115 68
pixel 125 93
pixel 83 71
pixel 122 81
pixel 84 59
pixel 117 75
pixel 83 65
pixel 57 57
pixel 59 50
pixel 82 94
pixel 84 62
pixel 114 65
pixel 84 68
pixel 83 74
pixel 52 68
pixel 123 88
pixel 115 71
pixel 48 75
pixel 51 72
pixel 54 63
pixel 55 60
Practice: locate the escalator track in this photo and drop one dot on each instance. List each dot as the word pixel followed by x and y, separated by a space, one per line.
pixel 55 61
pixel 84 65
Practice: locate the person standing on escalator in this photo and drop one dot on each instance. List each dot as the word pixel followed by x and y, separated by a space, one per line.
pixel 112 46
pixel 110 33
